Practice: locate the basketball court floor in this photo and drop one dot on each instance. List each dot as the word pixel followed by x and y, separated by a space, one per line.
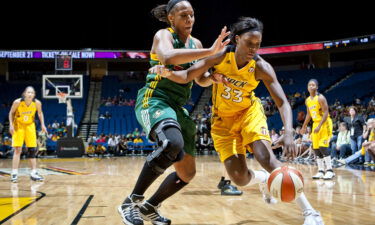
pixel 88 191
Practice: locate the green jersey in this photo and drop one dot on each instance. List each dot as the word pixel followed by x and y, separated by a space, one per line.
pixel 157 86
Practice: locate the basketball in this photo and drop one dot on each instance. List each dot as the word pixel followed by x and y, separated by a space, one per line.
pixel 285 183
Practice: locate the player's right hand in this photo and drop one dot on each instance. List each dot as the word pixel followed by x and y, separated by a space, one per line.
pixel 161 70
pixel 220 44
pixel 302 131
pixel 11 130
pixel 287 141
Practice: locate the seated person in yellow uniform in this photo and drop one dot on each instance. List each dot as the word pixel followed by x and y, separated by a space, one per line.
pixel 100 150
pixel 90 149
pixel 22 129
pixel 238 121
pixel 317 110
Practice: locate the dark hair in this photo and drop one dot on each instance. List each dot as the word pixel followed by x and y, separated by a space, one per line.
pixel 344 124
pixel 315 81
pixel 161 12
pixel 23 93
pixel 243 25
pixel 353 107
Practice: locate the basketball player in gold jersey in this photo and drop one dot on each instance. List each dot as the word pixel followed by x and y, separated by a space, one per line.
pixel 238 122
pixel 317 110
pixel 22 129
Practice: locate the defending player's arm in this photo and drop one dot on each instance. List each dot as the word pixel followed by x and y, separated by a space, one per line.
pixel 323 104
pixel 12 112
pixel 307 120
pixel 204 80
pixel 185 76
pixel 266 73
pixel 40 115
pixel 168 55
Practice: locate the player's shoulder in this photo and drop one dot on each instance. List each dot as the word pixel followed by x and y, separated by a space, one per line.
pixel 17 101
pixel 261 63
pixel 163 33
pixel 321 97
pixel 197 42
pixel 37 101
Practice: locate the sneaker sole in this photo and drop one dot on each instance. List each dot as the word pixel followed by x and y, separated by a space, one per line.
pixel 119 210
pixel 39 180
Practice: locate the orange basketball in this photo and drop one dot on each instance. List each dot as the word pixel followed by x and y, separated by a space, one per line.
pixel 285 183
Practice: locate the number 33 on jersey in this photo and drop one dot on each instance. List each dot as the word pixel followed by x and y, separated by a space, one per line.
pixel 229 99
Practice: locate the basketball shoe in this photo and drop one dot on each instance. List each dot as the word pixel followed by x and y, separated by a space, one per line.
pixel 151 213
pixel 14 178
pixel 129 210
pixel 36 177
pixel 312 217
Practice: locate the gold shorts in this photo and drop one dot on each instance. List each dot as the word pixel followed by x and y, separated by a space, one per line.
pixel 233 135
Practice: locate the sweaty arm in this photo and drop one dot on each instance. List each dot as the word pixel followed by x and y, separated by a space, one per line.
pixel 266 73
pixel 198 69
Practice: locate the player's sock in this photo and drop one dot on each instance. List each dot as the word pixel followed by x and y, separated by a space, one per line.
pixel 14 171
pixel 258 176
pixel 328 162
pixel 171 185
pixel 145 179
pixel 303 203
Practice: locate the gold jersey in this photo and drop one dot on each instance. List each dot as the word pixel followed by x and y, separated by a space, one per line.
pixel 315 108
pixel 238 95
pixel 25 114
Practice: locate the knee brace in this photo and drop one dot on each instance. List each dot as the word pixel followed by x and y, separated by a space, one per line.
pixel 31 153
pixel 167 152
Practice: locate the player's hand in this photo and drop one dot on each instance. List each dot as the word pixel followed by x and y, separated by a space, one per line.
pixel 219 78
pixel 287 141
pixel 44 129
pixel 11 130
pixel 219 44
pixel 302 131
pixel 317 129
pixel 161 70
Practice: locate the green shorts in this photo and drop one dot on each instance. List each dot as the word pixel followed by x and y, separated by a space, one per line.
pixel 157 110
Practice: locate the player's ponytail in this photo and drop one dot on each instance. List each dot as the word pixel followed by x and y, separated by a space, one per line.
pixel 243 25
pixel 160 13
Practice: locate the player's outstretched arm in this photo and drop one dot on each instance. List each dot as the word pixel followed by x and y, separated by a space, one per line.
pixel 168 55
pixel 266 73
pixel 185 76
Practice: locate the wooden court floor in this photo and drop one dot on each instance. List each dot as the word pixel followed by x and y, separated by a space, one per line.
pixel 88 190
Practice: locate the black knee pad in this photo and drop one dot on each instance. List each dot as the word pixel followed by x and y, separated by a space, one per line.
pixel 31 153
pixel 170 142
pixel 324 151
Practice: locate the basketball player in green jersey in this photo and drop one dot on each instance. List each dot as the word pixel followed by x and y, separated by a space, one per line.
pixel 159 110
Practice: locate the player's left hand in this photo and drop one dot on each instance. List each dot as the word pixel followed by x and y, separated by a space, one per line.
pixel 287 141
pixel 219 78
pixel 317 129
pixel 161 70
